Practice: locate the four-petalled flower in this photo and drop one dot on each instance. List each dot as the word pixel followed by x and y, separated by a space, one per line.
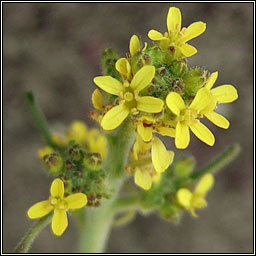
pixel 177 37
pixel 129 99
pixel 59 204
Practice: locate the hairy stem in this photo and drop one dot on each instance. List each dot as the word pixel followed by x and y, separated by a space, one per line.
pixel 26 242
pixel 225 158
pixel 98 221
pixel 40 120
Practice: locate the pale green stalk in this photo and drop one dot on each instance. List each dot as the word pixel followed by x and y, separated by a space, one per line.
pixel 98 221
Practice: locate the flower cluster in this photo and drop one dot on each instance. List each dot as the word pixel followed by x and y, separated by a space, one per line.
pixel 155 91
pixel 155 88
pixel 77 163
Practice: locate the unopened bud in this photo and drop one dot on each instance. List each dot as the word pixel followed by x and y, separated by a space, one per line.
pixel 170 212
pixel 194 79
pixel 92 161
pixel 53 163
pixel 184 167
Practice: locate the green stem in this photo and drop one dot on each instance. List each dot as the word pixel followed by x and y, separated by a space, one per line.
pixel 225 158
pixel 126 203
pixel 40 120
pixel 26 242
pixel 98 221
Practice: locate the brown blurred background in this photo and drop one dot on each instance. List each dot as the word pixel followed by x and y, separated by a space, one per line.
pixel 54 50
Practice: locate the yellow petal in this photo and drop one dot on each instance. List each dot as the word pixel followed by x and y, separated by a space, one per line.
pixel 143 78
pixel 150 104
pixel 225 93
pixel 40 209
pixel 145 46
pixel 155 35
pixel 187 50
pixel 109 84
pixel 174 19
pixel 59 222
pixel 194 30
pixel 175 103
pixel 202 100
pixel 160 156
pixel 211 80
pixel 203 133
pixel 114 117
pixel 77 132
pixel 59 140
pixel 145 132
pixel 97 100
pixel 182 136
pixel 171 155
pixel 134 45
pixel 218 119
pixel 76 201
pixel 166 131
pixel 143 179
pixel 57 188
pixel 184 197
pixel 44 151
pixel 124 68
pixel 205 184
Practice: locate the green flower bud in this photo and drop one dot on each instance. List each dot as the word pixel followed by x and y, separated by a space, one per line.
pixel 178 68
pixel 53 163
pixel 185 166
pixel 108 61
pixel 194 79
pixel 152 55
pixel 170 212
pixel 92 161
pixel 75 154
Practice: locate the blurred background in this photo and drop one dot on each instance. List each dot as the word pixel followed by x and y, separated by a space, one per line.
pixel 54 50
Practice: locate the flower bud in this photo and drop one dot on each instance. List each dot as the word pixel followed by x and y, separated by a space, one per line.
pixel 75 154
pixel 184 167
pixel 92 161
pixel 108 61
pixel 170 212
pixel 194 79
pixel 53 163
pixel 178 68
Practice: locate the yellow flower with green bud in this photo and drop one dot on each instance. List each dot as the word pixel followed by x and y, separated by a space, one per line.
pixel 59 205
pixel 196 200
pixel 176 38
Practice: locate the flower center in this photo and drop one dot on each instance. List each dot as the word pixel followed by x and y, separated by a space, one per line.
pixel 128 96
pixel 188 116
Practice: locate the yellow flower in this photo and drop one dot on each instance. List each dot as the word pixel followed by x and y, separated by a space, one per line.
pixel 221 94
pixel 123 65
pixel 187 117
pixel 191 201
pixel 177 37
pixel 77 132
pixel 129 99
pixel 59 204
pixel 97 143
pixel 91 138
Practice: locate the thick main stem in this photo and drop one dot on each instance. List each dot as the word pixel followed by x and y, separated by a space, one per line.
pixel 98 221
